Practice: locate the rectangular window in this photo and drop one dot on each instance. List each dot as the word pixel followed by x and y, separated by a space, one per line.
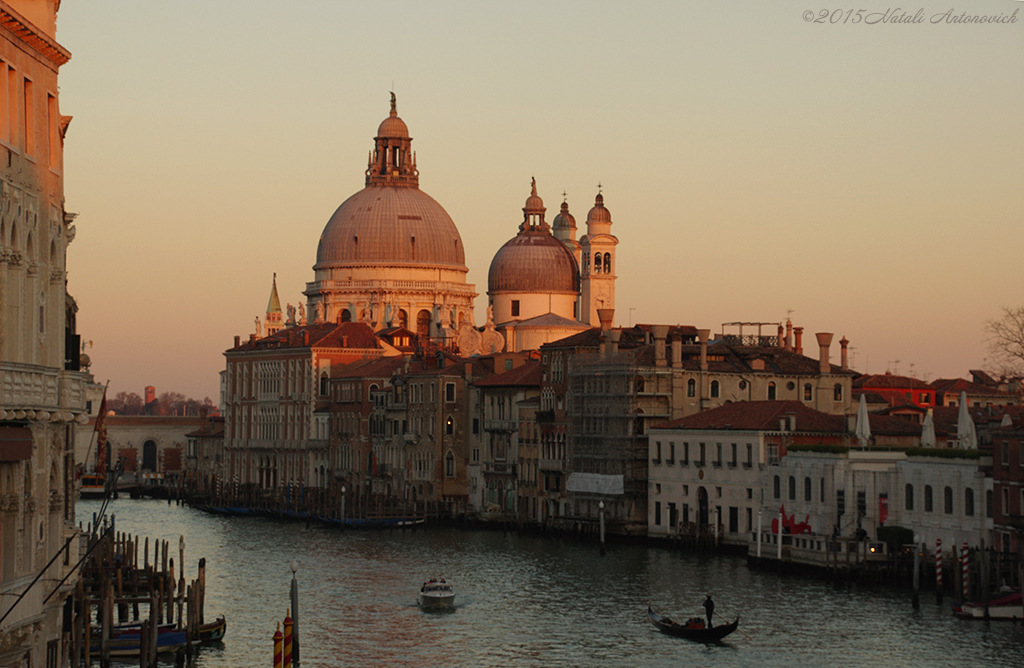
pixel 449 392
pixel 840 502
pixel 685 461
pixel 657 453
pixel 671 453
pixel 718 455
pixel 515 307
pixel 700 461
pixel 53 131
pixel 750 456
pixel 30 119
pixel 1006 453
pixel 657 513
pixel 732 461
pixel 862 503
pixel 476 425
pixel 5 105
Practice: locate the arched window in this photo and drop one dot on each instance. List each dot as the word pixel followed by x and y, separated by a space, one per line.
pixel 771 391
pixel 449 426
pixel 969 501
pixel 597 263
pixel 908 497
pixel 837 392
pixel 808 392
pixel 807 489
pixel 947 497
pixel 777 487
pixel 423 324
pixel 449 464
pixel 607 263
pixel 927 498
pixel 714 388
pixel 691 388
pixel 792 488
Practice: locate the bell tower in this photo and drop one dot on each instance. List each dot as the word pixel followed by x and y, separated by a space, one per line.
pixel 597 263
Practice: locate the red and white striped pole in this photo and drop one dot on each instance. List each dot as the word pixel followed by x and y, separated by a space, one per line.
pixel 967 574
pixel 938 569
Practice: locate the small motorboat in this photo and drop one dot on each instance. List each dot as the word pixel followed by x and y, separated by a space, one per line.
pixel 436 594
pixel 213 631
pixel 126 641
pixel 693 629
pixel 1009 606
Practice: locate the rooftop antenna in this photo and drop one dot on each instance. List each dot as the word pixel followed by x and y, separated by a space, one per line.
pixel 911 372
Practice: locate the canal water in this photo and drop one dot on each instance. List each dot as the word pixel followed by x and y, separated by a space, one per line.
pixel 530 601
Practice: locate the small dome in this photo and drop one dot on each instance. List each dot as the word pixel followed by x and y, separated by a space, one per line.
pixel 533 262
pixel 599 214
pixel 393 126
pixel 564 219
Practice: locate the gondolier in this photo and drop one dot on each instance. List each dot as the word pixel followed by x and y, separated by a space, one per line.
pixel 709 608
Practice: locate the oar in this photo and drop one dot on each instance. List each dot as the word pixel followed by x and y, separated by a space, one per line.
pixel 737 628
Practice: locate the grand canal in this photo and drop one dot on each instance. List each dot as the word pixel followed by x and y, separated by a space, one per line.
pixel 529 601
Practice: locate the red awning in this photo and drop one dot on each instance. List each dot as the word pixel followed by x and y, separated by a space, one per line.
pixel 15 444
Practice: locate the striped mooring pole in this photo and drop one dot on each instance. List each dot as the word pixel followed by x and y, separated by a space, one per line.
pixel 938 570
pixel 288 640
pixel 278 642
pixel 967 574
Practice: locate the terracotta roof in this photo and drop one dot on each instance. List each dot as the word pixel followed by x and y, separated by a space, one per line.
pixel 891 382
pixel 766 415
pixel 958 385
pixel 526 375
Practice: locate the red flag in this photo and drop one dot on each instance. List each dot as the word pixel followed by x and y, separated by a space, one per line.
pixel 101 437
pixel 883 509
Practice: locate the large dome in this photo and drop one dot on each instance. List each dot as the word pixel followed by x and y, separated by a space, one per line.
pixel 533 262
pixel 390 225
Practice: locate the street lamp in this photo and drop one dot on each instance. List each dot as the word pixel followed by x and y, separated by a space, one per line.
pixel 342 518
pixel 295 612
pixel 600 514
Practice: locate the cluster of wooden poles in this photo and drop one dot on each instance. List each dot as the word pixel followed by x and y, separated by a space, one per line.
pixel 114 579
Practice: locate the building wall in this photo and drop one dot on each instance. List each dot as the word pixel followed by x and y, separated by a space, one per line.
pixel 42 392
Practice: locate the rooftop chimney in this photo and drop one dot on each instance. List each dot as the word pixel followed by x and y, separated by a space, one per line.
pixel 606 315
pixel 789 334
pixel 238 340
pixel 614 336
pixel 660 334
pixel 150 394
pixel 845 359
pixel 798 347
pixel 677 352
pixel 824 341
pixel 703 335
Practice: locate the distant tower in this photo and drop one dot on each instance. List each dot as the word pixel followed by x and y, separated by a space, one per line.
pixel 597 265
pixel 275 321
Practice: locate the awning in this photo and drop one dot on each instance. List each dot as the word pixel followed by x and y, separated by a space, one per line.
pixel 595 483
pixel 15 444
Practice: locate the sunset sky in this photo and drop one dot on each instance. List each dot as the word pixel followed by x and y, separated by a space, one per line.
pixel 865 177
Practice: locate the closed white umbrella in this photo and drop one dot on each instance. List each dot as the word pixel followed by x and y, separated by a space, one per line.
pixel 863 430
pixel 966 437
pixel 928 431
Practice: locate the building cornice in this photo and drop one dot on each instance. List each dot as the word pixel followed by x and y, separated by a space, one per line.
pixel 28 33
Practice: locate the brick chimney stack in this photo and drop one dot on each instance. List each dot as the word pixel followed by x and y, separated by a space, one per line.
pixel 614 336
pixel 798 347
pixel 677 352
pixel 660 335
pixel 789 334
pixel 703 335
pixel 824 341
pixel 845 361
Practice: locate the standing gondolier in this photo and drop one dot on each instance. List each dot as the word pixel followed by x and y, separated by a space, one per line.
pixel 709 608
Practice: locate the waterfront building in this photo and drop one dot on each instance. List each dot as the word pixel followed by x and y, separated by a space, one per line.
pixel 273 386
pixel 204 467
pixel 391 256
pixel 42 388
pixel 623 381
pixel 142 443
pixel 508 403
pixel 1007 503
pixel 706 469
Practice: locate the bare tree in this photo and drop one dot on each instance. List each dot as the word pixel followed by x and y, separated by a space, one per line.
pixel 1005 339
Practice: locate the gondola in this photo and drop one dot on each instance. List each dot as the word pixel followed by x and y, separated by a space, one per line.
pixel 693 629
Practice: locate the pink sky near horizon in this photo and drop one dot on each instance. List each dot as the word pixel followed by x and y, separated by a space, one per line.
pixel 864 177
